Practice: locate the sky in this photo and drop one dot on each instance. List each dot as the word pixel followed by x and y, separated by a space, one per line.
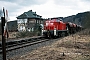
pixel 45 8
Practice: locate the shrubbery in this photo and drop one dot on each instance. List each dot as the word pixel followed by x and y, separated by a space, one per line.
pixel 85 32
pixel 36 32
pixel 27 34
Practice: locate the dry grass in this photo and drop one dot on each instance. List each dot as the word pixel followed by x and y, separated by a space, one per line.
pixel 11 36
pixel 74 47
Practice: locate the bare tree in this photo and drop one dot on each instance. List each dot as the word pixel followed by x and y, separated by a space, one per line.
pixel 1 13
pixel 0 20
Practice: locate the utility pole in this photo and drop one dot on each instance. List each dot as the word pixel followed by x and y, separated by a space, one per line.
pixel 3 37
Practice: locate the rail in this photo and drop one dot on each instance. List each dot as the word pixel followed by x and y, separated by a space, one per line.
pixel 12 45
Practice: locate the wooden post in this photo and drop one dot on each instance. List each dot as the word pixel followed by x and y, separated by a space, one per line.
pixel 3 39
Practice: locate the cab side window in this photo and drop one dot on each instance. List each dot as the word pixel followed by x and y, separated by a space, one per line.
pixel 58 21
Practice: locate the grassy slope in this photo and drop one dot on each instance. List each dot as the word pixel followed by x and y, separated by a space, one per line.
pixel 87 20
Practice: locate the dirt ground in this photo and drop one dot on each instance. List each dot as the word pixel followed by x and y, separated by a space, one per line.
pixel 73 47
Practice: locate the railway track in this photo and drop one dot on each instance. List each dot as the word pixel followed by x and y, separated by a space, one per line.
pixel 12 45
pixel 20 47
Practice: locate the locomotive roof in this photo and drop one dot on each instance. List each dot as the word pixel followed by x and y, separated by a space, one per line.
pixel 54 20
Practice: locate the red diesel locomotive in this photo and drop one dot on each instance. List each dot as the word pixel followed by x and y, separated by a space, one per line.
pixel 56 27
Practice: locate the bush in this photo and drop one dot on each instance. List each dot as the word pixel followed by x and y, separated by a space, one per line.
pixel 27 34
pixel 23 34
pixel 85 32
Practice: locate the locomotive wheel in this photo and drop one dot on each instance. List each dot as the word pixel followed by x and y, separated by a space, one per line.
pixel 48 34
pixel 62 34
pixel 59 35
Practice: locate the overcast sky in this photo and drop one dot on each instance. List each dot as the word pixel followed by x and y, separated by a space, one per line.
pixel 45 8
